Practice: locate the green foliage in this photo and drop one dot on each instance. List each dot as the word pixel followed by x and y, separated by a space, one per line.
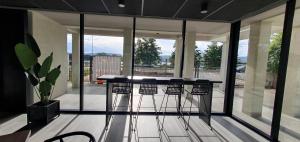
pixel 25 55
pixel 40 76
pixel 274 53
pixel 172 59
pixel 30 42
pixel 212 56
pixel 46 66
pixel 36 68
pixel 198 58
pixel 53 75
pixel 34 81
pixel 147 52
pixel 197 61
pixel 45 88
pixel 86 71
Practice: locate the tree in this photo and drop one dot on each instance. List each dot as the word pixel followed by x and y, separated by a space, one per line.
pixel 274 55
pixel 198 58
pixel 172 59
pixel 212 56
pixel 197 61
pixel 147 52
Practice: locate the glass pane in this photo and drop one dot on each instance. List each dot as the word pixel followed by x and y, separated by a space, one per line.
pixel 290 117
pixel 56 32
pixel 210 56
pixel 157 46
pixel 257 68
pixel 105 41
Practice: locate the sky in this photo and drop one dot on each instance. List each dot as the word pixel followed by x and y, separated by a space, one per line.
pixel 114 45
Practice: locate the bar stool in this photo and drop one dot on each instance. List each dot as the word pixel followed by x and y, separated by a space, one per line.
pixel 121 86
pixel 175 88
pixel 147 87
pixel 200 89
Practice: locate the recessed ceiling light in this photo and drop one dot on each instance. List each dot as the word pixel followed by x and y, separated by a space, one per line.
pixel 121 3
pixel 204 8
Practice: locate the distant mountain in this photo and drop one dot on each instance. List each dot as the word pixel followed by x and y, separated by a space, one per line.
pixel 87 56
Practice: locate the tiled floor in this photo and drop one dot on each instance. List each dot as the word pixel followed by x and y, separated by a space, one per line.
pixel 96 101
pixel 223 129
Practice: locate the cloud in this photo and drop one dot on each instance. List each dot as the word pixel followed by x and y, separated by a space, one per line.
pixel 202 45
pixel 166 46
pixel 107 44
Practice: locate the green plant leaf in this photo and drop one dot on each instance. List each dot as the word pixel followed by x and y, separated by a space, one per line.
pixel 45 66
pixel 34 81
pixel 31 43
pixel 45 88
pixel 36 69
pixel 53 75
pixel 25 55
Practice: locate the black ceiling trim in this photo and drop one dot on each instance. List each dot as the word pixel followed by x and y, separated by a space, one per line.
pixel 107 9
pixel 68 4
pixel 179 9
pixel 37 5
pixel 218 9
pixel 263 9
pixel 105 14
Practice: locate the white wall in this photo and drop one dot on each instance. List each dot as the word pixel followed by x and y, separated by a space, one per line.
pixel 51 37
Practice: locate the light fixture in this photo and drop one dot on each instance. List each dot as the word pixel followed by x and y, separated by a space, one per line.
pixel 204 8
pixel 121 3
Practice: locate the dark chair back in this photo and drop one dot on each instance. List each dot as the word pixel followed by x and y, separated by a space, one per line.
pixel 148 87
pixel 121 85
pixel 175 87
pixel 201 87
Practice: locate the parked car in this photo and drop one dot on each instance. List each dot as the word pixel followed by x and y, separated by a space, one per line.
pixel 241 68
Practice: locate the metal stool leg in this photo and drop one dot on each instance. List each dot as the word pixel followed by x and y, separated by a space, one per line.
pixel 199 105
pixel 138 110
pixel 164 113
pixel 162 103
pixel 189 117
pixel 136 119
pixel 176 104
pixel 115 102
pixel 205 105
pixel 154 106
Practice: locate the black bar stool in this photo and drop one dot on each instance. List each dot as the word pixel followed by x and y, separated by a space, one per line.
pixel 147 87
pixel 200 89
pixel 176 88
pixel 121 85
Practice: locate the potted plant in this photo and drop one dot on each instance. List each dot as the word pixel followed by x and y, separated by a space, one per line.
pixel 42 78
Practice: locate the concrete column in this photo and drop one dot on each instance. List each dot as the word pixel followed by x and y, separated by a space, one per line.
pixel 75 60
pixel 256 69
pixel 189 55
pixel 224 60
pixel 127 49
pixel 291 105
pixel 178 51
